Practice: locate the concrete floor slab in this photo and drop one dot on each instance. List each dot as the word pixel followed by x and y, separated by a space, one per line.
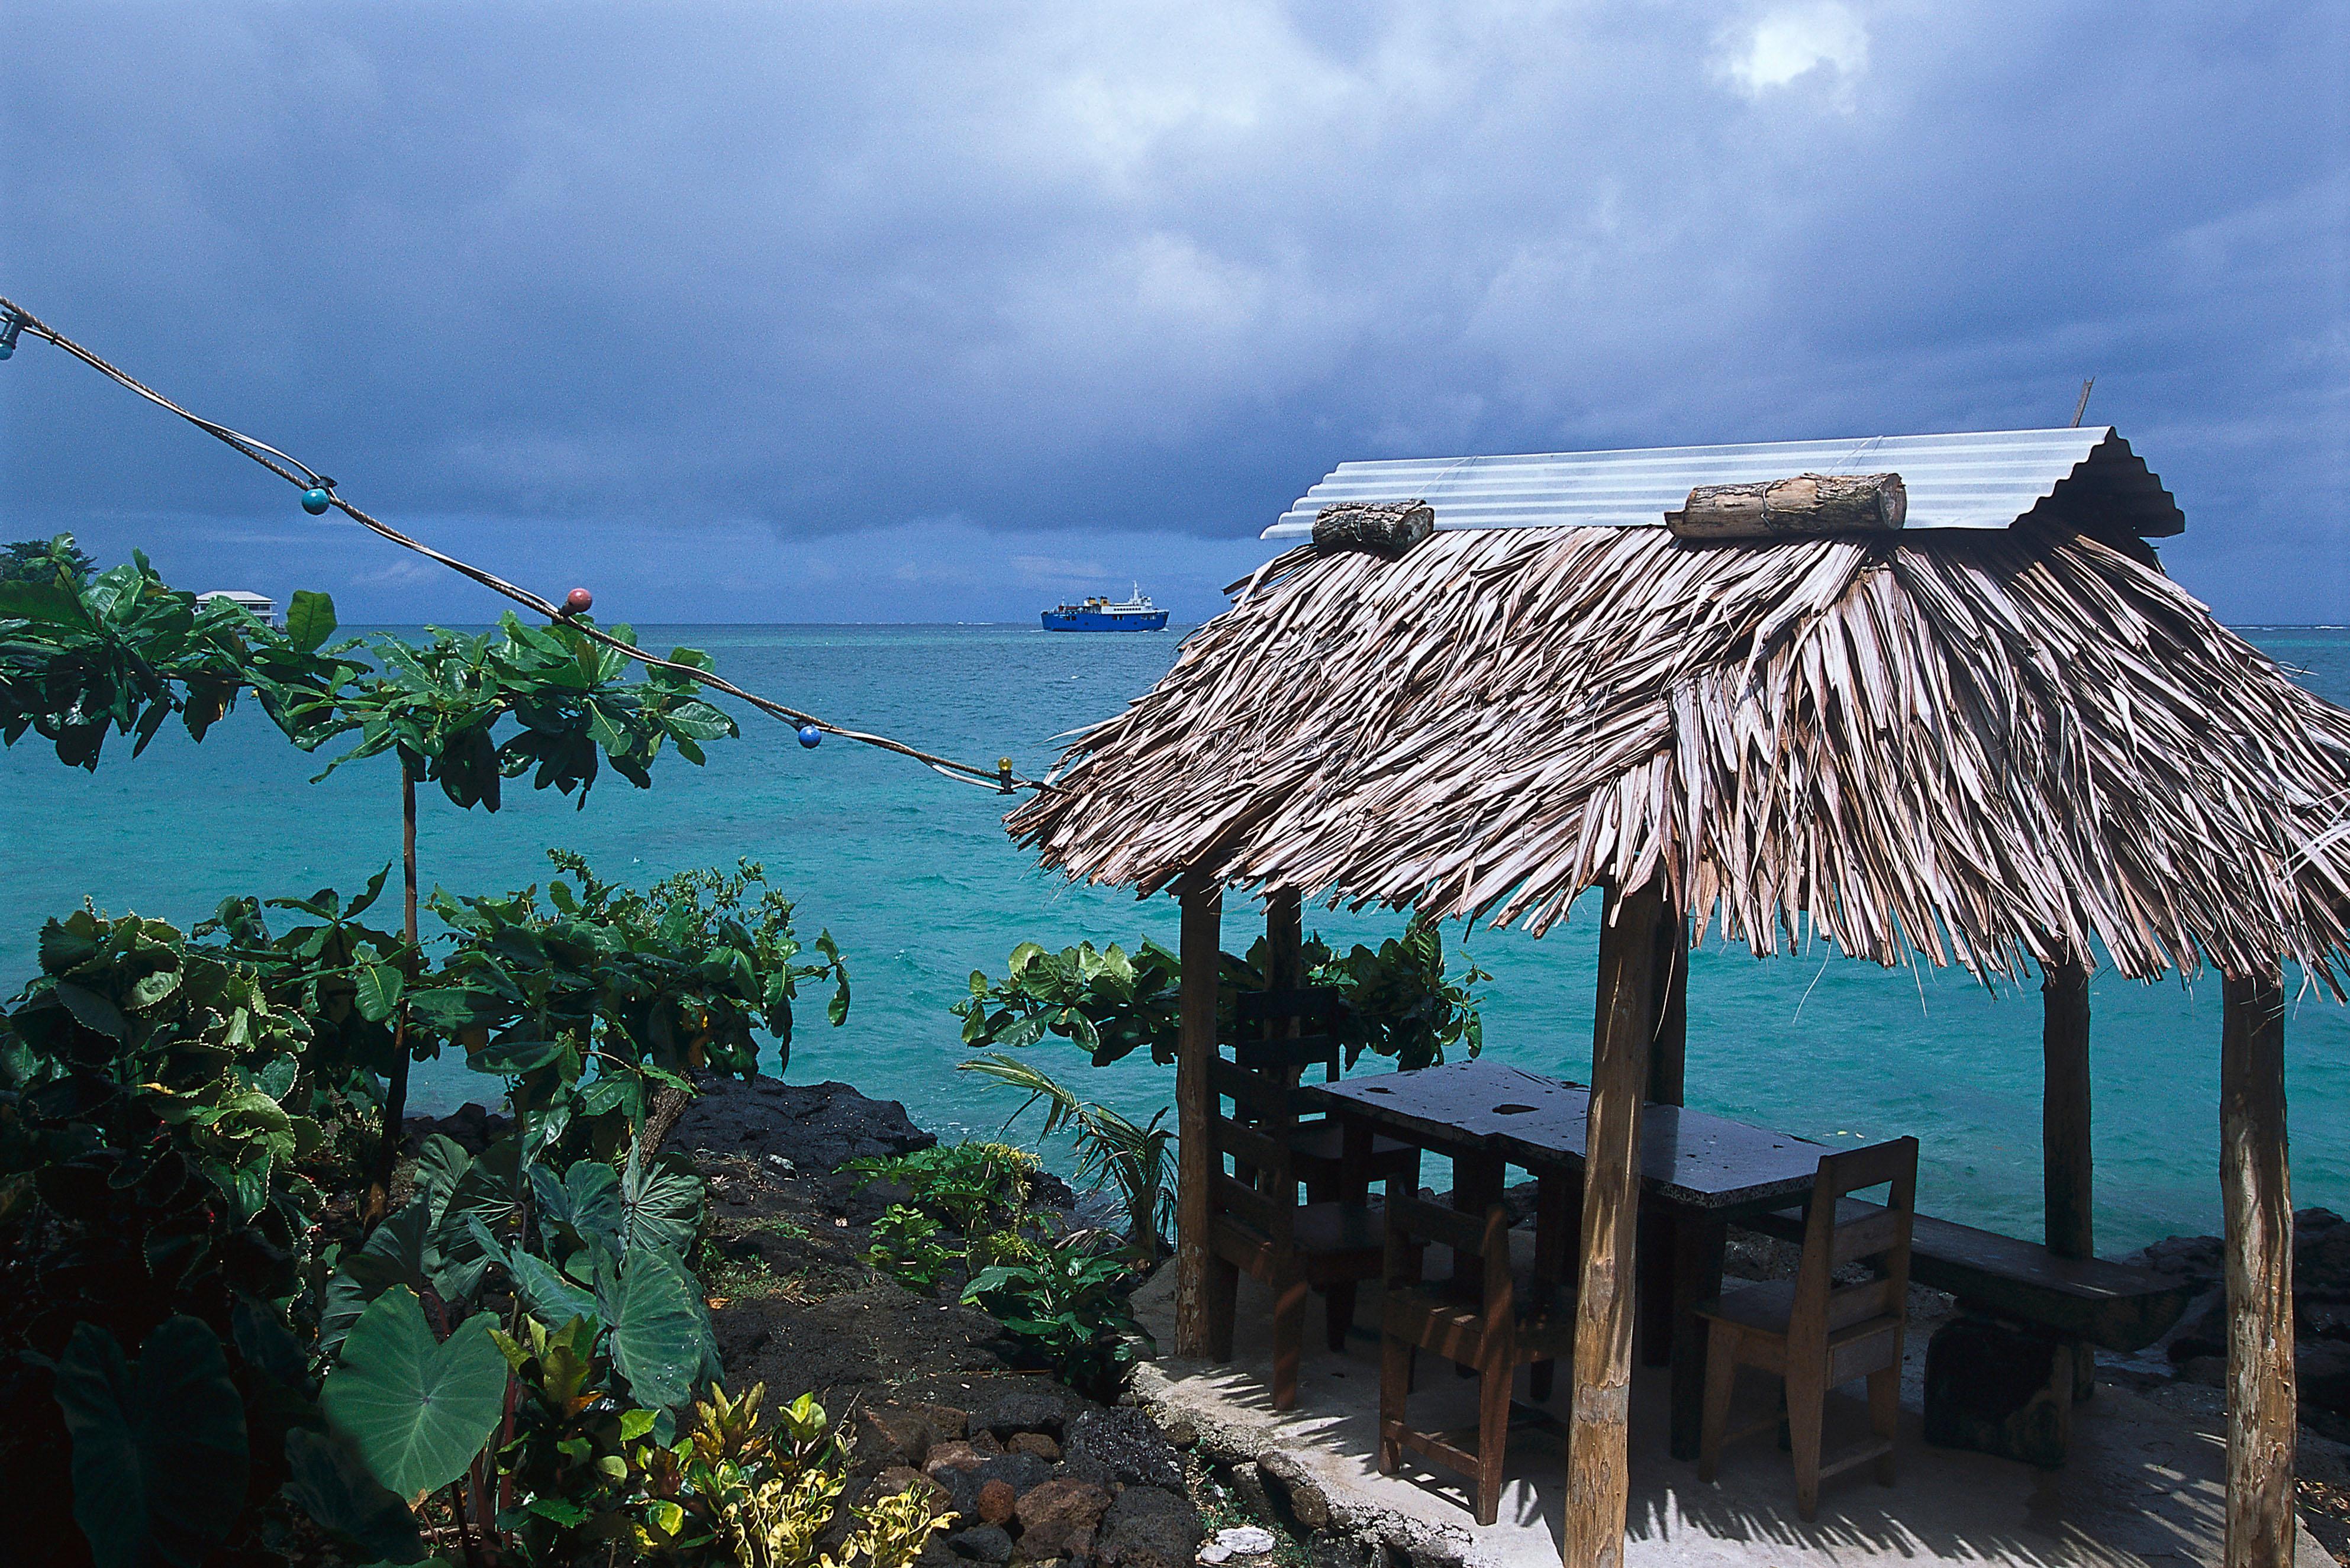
pixel 2144 1485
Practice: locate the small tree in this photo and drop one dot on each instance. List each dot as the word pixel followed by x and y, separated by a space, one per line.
pixel 58 560
pixel 438 706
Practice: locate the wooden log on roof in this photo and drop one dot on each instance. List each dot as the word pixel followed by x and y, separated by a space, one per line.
pixel 1804 507
pixel 2256 1188
pixel 1598 1468
pixel 1199 948
pixel 1383 528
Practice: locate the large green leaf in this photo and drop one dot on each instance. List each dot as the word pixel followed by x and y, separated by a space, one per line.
pixel 309 621
pixel 158 1450
pixel 657 1328
pixel 660 1204
pixel 332 1484
pixel 417 1412
pixel 377 993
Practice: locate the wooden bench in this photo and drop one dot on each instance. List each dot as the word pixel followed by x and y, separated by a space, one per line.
pixel 2003 1375
pixel 2115 1306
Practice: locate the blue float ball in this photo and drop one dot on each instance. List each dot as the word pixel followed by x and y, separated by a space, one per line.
pixel 315 500
pixel 7 350
pixel 810 736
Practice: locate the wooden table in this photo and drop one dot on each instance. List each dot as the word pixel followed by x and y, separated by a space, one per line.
pixel 1698 1173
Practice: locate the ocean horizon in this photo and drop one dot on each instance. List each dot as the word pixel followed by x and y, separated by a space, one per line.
pixel 916 879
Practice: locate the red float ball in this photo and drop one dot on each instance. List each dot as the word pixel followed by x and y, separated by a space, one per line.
pixel 578 601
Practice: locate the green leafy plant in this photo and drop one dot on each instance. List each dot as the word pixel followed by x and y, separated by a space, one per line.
pixel 437 706
pixel 597 1001
pixel 971 1185
pixel 1069 1306
pixel 1112 1151
pixel 159 1460
pixel 1401 1002
pixel 57 560
pixel 122 652
pixel 906 1247
pixel 416 1409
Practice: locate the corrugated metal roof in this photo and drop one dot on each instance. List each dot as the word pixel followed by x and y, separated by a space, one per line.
pixel 1991 479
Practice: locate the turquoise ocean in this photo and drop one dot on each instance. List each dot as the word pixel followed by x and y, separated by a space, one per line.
pixel 915 877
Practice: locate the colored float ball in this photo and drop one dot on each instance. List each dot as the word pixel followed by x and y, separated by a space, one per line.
pixel 810 736
pixel 578 601
pixel 315 500
pixel 7 350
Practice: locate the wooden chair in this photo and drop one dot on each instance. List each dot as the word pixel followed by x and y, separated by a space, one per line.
pixel 1265 1043
pixel 1485 1318
pixel 1257 1227
pixel 1817 1334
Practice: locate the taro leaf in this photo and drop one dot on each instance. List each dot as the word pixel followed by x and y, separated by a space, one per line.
pixel 551 1298
pixel 440 1163
pixel 655 1330
pixel 394 1255
pixel 587 1199
pixel 377 993
pixel 660 1207
pixel 417 1412
pixel 158 1451
pixel 265 1344
pixel 332 1484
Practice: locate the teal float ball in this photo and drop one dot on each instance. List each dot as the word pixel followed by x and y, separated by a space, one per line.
pixel 7 350
pixel 315 500
pixel 810 736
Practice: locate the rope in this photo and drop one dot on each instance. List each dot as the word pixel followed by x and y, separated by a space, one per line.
pixel 999 779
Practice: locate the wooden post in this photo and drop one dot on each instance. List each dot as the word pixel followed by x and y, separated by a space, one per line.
pixel 1201 949
pixel 2256 1188
pixel 1285 940
pixel 1598 1479
pixel 2067 1192
pixel 2064 1163
pixel 1669 1047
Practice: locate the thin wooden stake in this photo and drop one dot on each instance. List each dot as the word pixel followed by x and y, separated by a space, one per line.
pixel 2256 1187
pixel 1598 1474
pixel 1200 948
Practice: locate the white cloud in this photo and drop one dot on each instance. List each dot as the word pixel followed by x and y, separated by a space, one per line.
pixel 1790 42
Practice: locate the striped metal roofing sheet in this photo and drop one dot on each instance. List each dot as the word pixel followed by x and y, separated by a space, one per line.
pixel 1989 479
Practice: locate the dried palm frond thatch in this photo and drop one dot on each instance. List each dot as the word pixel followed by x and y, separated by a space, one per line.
pixel 1972 746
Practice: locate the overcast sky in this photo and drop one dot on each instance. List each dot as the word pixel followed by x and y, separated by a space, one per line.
pixel 792 312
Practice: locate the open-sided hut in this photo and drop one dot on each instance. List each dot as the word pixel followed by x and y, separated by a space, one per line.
pixel 1963 717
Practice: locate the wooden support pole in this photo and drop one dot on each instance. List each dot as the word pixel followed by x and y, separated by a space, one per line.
pixel 1599 1475
pixel 2256 1188
pixel 2066 1189
pixel 1669 1047
pixel 1285 940
pixel 1199 948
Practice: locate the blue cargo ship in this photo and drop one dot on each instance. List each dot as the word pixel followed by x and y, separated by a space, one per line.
pixel 1097 614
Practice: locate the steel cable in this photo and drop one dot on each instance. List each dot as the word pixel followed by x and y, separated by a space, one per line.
pixel 1000 779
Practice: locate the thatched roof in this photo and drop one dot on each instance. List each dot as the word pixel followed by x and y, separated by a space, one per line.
pixel 1971 745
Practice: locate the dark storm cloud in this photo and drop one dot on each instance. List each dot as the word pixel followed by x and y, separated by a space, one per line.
pixel 799 308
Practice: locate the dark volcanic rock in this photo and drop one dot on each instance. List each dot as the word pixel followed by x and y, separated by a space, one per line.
pixel 1128 1444
pixel 816 1127
pixel 472 1125
pixel 1023 1410
pixel 1147 1528
pixel 1021 1472
pixel 982 1544
pixel 2322 1370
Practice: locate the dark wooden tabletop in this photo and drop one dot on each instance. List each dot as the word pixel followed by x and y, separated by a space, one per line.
pixel 1685 1156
